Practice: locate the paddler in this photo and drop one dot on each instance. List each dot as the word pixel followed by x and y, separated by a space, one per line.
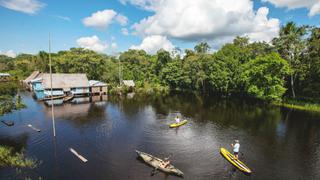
pixel 177 119
pixel 165 163
pixel 236 148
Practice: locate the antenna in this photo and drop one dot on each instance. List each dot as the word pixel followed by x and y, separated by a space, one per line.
pixel 53 123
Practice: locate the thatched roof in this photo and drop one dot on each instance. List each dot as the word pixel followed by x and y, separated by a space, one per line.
pixel 129 83
pixel 94 83
pixel 4 74
pixel 32 76
pixel 65 81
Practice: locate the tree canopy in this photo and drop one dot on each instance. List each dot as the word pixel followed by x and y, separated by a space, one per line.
pixel 290 66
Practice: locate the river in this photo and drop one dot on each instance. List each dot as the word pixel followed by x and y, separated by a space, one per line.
pixel 276 143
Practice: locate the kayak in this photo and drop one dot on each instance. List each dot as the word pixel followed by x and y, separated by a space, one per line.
pixel 235 162
pixel 156 162
pixel 174 125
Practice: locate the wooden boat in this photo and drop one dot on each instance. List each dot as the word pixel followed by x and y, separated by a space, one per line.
pixel 54 97
pixel 8 123
pixel 156 162
pixel 68 98
pixel 235 162
pixel 174 125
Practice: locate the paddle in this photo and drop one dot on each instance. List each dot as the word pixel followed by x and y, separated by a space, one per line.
pixel 155 170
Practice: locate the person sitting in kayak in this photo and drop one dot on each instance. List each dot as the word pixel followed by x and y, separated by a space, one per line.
pixel 236 148
pixel 177 119
pixel 165 163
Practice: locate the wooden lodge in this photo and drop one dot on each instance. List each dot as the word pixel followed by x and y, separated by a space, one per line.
pixel 63 85
pixel 97 87
pixel 27 81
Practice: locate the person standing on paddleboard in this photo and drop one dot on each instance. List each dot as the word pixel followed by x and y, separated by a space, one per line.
pixel 177 119
pixel 236 148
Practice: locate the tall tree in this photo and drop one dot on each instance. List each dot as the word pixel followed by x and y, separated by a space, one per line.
pixel 163 57
pixel 264 76
pixel 291 44
pixel 202 48
pixel 311 85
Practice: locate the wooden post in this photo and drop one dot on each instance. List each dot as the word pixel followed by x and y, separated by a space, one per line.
pixel 78 155
pixel 53 123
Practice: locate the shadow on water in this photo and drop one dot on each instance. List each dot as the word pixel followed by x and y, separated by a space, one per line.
pixel 18 143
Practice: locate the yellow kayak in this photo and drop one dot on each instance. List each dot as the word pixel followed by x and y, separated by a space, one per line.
pixel 174 125
pixel 236 162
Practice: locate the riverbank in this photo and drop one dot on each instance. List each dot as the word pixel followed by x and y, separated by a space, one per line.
pixel 9 158
pixel 10 99
pixel 145 89
pixel 299 105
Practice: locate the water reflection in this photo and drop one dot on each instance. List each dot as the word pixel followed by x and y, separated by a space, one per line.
pixel 81 110
pixel 18 142
pixel 275 142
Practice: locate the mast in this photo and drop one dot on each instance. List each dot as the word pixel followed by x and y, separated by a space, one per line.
pixel 53 123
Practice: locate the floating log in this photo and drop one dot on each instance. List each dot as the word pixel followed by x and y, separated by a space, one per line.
pixel 8 123
pixel 78 155
pixel 36 129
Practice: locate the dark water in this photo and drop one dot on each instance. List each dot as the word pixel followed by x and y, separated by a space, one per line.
pixel 276 143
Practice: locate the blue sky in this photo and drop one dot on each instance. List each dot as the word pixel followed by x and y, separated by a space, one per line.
pixel 25 27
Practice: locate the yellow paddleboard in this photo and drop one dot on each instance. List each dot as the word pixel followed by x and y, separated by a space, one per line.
pixel 174 125
pixel 236 162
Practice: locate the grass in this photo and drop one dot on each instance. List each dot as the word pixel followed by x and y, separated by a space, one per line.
pixel 300 105
pixel 9 158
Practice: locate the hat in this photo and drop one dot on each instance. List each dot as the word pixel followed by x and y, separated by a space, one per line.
pixel 237 141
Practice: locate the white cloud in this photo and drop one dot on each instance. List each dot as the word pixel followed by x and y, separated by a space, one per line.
pixel 213 20
pixel 312 5
pixel 25 6
pixel 92 43
pixel 9 53
pixel 121 19
pixel 315 9
pixel 102 19
pixel 152 44
pixel 124 31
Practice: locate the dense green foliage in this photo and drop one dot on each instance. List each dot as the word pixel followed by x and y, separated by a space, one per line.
pixel 264 76
pixel 8 102
pixel 290 66
pixel 9 158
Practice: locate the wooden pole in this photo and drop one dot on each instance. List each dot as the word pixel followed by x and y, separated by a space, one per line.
pixel 78 155
pixel 53 123
pixel 119 72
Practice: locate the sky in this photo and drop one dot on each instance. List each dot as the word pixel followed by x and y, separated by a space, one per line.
pixel 112 26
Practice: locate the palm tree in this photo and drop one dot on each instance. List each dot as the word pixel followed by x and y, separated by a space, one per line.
pixel 202 48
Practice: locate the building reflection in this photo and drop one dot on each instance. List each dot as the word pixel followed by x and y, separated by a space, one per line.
pixel 81 108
